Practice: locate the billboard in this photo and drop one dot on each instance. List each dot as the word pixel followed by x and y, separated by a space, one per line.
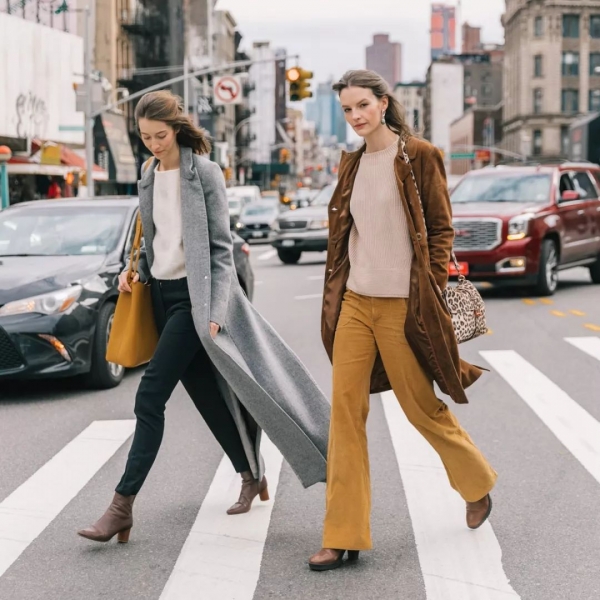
pixel 39 66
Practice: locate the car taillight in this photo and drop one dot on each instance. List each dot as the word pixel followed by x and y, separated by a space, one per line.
pixel 246 249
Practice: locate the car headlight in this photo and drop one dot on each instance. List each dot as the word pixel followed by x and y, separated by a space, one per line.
pixel 46 304
pixel 518 227
pixel 239 225
pixel 319 224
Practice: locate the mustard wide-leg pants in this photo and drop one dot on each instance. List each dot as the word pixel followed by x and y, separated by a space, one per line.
pixel 365 325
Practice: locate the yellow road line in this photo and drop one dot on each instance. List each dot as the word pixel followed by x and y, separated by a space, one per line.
pixel 529 301
pixel 558 313
pixel 546 301
pixel 577 313
pixel 592 326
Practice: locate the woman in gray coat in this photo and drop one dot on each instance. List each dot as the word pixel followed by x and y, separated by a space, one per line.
pixel 241 375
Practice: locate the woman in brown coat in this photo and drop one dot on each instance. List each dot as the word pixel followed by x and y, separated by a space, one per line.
pixel 384 322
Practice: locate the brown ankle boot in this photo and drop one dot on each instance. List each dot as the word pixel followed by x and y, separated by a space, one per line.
pixel 330 558
pixel 118 519
pixel 478 512
pixel 250 489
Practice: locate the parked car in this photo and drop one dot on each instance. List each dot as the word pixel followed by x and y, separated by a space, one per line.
pixel 304 229
pixel 238 197
pixel 256 221
pixel 524 224
pixel 59 264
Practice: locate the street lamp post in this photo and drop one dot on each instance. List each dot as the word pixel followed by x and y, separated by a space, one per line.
pixel 5 156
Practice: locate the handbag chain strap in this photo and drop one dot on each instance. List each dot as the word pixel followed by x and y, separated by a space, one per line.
pixel 412 173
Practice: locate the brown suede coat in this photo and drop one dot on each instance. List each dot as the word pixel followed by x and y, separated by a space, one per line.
pixel 428 326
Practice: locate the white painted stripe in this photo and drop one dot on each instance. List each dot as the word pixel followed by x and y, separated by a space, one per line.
pixel 316 277
pixel 35 504
pixel 308 297
pixel 457 563
pixel 268 255
pixel 589 345
pixel 574 427
pixel 222 555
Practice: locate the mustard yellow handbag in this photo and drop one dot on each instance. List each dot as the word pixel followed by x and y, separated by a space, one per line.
pixel 133 336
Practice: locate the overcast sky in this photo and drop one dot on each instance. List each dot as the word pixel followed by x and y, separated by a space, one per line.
pixel 331 35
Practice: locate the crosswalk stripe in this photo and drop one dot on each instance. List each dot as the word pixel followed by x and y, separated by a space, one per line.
pixel 36 503
pixel 589 345
pixel 222 555
pixel 268 255
pixel 574 427
pixel 457 563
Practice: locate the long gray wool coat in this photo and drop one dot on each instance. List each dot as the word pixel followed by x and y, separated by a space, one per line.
pixel 264 383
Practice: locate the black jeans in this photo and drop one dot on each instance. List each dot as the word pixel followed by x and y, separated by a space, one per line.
pixel 179 356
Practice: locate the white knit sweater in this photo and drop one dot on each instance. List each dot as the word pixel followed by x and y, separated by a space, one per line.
pixel 169 261
pixel 380 248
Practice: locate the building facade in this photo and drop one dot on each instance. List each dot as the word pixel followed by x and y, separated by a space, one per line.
pixel 551 72
pixel 471 39
pixel 411 96
pixel 443 30
pixel 443 102
pixel 385 58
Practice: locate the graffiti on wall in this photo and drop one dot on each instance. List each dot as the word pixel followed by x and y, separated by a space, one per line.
pixel 32 116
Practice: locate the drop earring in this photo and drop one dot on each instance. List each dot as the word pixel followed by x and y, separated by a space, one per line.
pixel 383 118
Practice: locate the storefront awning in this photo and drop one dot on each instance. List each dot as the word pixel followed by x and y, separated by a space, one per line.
pixel 122 166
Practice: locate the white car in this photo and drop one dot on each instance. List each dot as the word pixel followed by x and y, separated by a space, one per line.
pixel 238 197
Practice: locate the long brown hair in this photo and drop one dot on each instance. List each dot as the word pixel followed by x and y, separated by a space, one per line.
pixel 165 106
pixel 394 118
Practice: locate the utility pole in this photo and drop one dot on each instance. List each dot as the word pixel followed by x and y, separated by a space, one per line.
pixel 89 116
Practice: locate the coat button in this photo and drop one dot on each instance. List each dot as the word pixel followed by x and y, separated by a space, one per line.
pixel 329 270
pixel 419 236
pixel 206 277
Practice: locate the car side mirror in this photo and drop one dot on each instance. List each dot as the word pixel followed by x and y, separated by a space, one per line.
pixel 569 195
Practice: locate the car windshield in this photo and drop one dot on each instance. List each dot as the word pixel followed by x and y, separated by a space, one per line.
pixel 502 187
pixel 324 196
pixel 59 231
pixel 255 211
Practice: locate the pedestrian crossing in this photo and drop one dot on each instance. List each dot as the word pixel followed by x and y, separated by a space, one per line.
pixel 222 556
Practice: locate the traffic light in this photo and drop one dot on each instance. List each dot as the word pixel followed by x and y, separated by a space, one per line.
pixel 299 83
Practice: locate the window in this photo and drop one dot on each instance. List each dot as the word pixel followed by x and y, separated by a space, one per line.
pixel 595 63
pixel 570 26
pixel 594 101
pixel 595 26
pixel 570 101
pixel 584 185
pixel 538 96
pixel 486 90
pixel 564 140
pixel 537 142
pixel 538 27
pixel 537 65
pixel 570 63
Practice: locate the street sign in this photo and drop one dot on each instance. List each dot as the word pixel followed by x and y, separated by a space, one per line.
pixel 483 155
pixel 227 90
pixel 462 155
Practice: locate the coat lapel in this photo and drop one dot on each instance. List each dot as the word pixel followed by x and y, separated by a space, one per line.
pixel 146 198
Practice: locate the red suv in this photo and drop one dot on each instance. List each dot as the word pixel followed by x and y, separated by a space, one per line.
pixel 523 224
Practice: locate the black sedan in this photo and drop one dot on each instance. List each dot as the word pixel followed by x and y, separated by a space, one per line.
pixel 59 264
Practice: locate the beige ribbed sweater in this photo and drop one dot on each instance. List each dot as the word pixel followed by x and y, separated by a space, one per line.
pixel 380 248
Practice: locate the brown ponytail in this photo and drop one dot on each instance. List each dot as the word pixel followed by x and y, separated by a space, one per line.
pixel 394 118
pixel 167 107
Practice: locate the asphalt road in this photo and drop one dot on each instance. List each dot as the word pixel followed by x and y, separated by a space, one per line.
pixel 535 415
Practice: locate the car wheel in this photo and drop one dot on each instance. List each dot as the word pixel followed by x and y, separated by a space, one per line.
pixel 595 271
pixel 289 257
pixel 103 374
pixel 547 281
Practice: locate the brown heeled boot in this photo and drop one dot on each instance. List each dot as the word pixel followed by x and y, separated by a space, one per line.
pixel 329 558
pixel 250 489
pixel 478 512
pixel 117 520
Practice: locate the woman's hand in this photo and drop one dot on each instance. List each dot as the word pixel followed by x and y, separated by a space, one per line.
pixel 124 284
pixel 214 329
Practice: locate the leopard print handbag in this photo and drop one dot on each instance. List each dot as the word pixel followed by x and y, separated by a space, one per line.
pixel 464 301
